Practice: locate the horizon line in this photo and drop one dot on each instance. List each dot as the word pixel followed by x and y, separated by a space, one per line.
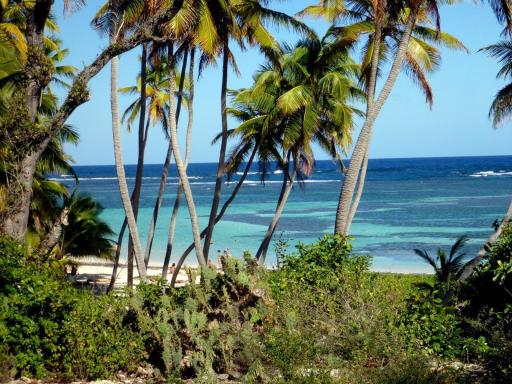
pixel 371 158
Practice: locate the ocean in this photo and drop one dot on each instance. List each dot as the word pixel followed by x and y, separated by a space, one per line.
pixel 407 203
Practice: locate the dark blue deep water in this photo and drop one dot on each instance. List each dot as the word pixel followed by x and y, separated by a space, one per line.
pixel 408 203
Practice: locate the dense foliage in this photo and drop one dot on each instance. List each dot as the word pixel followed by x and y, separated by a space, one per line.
pixel 321 317
pixel 47 326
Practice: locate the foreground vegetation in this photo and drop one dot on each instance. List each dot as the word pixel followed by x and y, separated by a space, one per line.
pixel 321 317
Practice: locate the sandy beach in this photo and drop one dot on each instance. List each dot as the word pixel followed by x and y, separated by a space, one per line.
pixel 98 272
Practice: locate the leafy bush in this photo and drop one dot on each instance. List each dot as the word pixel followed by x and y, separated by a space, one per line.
pixel 321 264
pixel 488 290
pixel 102 336
pixel 432 325
pixel 35 305
pixel 333 313
pixel 47 326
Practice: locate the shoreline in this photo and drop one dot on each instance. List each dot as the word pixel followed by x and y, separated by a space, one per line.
pixel 99 272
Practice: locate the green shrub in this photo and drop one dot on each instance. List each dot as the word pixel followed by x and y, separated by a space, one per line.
pixel 102 336
pixel 488 290
pixel 35 305
pixel 321 264
pixel 432 325
pixel 332 312
pixel 49 327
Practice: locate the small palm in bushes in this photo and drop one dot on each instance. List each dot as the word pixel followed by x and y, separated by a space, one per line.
pixel 432 319
pixel 213 327
pixel 448 268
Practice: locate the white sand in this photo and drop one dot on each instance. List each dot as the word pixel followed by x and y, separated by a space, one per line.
pixel 96 271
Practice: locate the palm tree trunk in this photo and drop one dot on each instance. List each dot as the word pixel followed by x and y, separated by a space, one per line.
pixel 359 193
pixel 179 164
pixel 140 158
pixel 261 254
pixel 363 141
pixel 222 154
pixel 179 192
pixel 223 210
pixel 483 250
pixel 121 176
pixel 117 256
pixel 168 156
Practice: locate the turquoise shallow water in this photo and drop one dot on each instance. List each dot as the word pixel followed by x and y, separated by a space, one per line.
pixel 408 203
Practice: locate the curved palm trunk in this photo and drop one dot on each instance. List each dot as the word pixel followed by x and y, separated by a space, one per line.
pixel 117 256
pixel 179 165
pixel 121 176
pixel 359 194
pixel 223 210
pixel 483 250
pixel 222 155
pixel 158 204
pixel 261 254
pixel 188 140
pixel 140 158
pixel 363 141
pixel 121 234
pixel 167 162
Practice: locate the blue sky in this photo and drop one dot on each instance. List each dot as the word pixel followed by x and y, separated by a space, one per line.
pixel 457 125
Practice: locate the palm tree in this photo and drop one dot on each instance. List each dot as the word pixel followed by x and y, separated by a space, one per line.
pixel 500 111
pixel 405 33
pixel 179 192
pixel 448 269
pixel 179 162
pixel 315 86
pixel 132 14
pixel 85 233
pixel 242 21
pixel 112 18
pixel 181 96
pixel 244 109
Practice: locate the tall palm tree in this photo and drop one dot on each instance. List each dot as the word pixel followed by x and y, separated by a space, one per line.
pixel 241 21
pixel 316 83
pixel 179 192
pixel 402 31
pixel 173 133
pixel 184 93
pixel 131 14
pixel 112 17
